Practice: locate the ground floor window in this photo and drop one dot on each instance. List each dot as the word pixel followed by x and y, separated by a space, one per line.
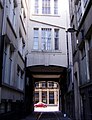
pixel 51 97
pixel 46 92
pixel 36 97
pixel 44 97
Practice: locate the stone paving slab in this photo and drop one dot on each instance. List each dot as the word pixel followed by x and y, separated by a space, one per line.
pixel 47 116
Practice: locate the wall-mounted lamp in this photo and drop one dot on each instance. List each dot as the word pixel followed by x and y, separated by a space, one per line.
pixel 71 30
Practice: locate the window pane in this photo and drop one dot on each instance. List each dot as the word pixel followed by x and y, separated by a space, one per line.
pixel 50 84
pixel 51 97
pixel 36 37
pixel 85 3
pixel 83 66
pixel 37 85
pixel 44 96
pixel 45 6
pixel 36 97
pixel 36 7
pixel 56 38
pixel 44 84
pixel 79 12
pixel 55 6
pixel 46 39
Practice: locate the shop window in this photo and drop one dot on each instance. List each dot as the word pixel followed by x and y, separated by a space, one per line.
pixel 44 96
pixel 51 97
pixel 36 97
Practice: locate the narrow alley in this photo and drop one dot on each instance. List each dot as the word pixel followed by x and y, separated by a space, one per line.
pixel 45 59
pixel 47 116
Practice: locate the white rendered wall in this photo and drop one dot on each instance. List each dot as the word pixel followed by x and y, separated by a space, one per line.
pixel 61 22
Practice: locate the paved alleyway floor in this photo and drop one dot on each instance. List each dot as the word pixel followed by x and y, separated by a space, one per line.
pixel 46 116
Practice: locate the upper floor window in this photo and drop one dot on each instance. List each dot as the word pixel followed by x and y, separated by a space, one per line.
pixel 79 12
pixel 83 65
pixel 43 84
pixel 46 39
pixel 50 84
pixel 90 42
pixel 20 78
pixel 56 38
pixel 36 6
pixel 46 7
pixel 85 2
pixel 81 7
pixel 12 10
pixel 37 85
pixel 36 38
pixel 90 56
pixel 55 6
pixel 21 44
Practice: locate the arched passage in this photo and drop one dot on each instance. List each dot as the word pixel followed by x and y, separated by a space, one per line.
pixel 46 96
pixel 35 74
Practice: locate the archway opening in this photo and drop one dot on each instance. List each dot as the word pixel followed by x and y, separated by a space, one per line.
pixel 45 84
pixel 46 96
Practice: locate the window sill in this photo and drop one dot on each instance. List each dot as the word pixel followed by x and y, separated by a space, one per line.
pixel 47 51
pixel 50 15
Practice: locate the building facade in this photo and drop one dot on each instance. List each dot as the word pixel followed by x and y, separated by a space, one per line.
pixel 47 92
pixel 46 45
pixel 13 36
pixel 33 48
pixel 80 19
pixel 47 36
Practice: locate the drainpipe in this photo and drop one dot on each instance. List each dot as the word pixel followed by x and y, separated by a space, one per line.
pixel 25 80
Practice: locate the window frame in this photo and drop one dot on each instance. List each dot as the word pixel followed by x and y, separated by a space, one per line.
pixel 51 97
pixel 46 38
pixel 56 39
pixel 55 7
pixel 36 39
pixel 46 6
pixel 36 7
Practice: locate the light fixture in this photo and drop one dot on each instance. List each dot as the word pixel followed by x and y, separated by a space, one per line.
pixel 71 30
pixel 77 41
